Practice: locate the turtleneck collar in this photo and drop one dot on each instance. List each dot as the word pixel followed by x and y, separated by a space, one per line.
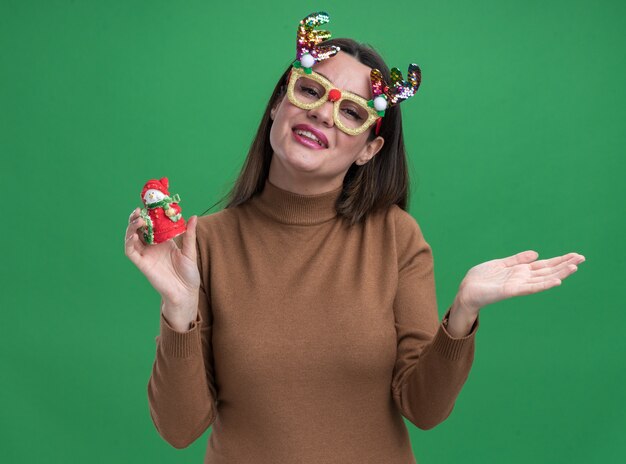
pixel 293 208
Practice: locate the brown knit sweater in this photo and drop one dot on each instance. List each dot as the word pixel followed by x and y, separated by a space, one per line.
pixel 312 340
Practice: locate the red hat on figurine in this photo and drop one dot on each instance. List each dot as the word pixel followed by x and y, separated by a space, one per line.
pixel 161 185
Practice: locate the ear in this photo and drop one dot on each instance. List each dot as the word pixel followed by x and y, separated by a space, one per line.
pixel 370 149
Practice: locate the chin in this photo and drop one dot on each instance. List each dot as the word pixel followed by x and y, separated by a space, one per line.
pixel 301 159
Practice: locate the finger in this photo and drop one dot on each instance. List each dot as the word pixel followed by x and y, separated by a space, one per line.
pixel 136 212
pixel 133 244
pixel 130 248
pixel 553 270
pixel 524 257
pixel 558 273
pixel 189 239
pixel 552 261
pixel 530 288
pixel 134 225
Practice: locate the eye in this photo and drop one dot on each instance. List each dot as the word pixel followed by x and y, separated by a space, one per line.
pixel 352 113
pixel 310 90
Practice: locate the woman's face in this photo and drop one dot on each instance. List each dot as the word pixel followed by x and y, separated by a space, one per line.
pixel 299 162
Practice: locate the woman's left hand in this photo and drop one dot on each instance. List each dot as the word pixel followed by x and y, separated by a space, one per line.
pixel 515 275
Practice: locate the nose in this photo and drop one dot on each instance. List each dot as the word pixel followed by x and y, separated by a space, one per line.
pixel 323 113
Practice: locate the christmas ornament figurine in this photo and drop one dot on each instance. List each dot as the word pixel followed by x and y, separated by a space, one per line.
pixel 162 214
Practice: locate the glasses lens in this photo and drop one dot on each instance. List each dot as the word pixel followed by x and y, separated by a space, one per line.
pixel 352 114
pixel 308 91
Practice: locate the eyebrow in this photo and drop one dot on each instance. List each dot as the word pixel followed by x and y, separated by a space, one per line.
pixel 325 77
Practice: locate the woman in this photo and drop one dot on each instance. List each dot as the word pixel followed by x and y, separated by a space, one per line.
pixel 301 321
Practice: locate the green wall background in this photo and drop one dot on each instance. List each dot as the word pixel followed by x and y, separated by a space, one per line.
pixel 516 141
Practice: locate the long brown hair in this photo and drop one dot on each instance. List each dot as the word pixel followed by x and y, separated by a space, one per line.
pixel 378 184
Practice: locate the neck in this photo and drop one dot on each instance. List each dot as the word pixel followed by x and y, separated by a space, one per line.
pixel 293 208
pixel 301 186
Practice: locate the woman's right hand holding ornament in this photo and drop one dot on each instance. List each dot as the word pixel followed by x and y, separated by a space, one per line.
pixel 171 270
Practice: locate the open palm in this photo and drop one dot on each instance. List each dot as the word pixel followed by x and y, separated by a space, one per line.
pixel 516 275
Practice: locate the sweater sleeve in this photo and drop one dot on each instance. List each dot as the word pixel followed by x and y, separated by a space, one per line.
pixel 431 366
pixel 181 389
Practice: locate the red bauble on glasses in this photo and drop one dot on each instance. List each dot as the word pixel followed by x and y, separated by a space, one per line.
pixel 334 95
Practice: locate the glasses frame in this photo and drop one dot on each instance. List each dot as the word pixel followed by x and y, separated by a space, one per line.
pixel 328 86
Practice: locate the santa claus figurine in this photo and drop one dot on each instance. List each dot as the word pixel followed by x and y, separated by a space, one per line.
pixel 162 214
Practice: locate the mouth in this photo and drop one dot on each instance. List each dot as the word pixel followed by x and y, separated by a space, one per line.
pixel 310 137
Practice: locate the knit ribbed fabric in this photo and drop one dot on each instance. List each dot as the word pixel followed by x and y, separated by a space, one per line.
pixel 313 338
pixel 295 209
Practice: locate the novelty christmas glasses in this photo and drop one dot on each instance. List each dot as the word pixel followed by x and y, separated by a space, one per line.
pixel 352 113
